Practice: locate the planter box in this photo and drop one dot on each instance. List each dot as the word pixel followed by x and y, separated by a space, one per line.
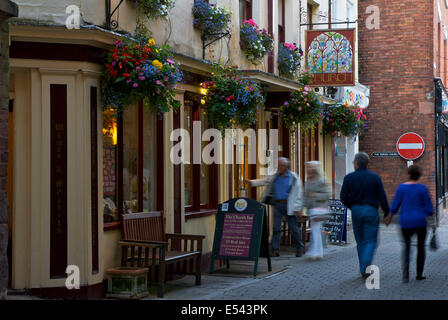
pixel 127 283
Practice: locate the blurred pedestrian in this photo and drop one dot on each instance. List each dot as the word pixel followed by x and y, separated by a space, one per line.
pixel 362 192
pixel 316 201
pixel 284 192
pixel 415 202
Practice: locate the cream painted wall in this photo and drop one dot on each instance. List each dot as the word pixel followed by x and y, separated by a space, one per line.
pixel 31 215
pixel 177 31
pixel 111 256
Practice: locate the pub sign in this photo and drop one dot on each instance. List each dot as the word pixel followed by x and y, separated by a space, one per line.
pixel 330 58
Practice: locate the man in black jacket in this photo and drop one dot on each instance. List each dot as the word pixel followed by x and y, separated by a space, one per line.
pixel 363 192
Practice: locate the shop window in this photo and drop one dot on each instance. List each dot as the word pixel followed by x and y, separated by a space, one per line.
pixel 110 166
pixel 133 183
pixel 200 185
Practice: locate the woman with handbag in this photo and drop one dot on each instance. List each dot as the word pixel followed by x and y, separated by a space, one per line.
pixel 415 202
pixel 316 201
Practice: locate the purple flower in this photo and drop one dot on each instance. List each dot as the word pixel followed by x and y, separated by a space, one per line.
pixel 286 103
pixel 135 85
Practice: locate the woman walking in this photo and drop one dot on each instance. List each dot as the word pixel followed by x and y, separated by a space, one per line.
pixel 316 201
pixel 415 202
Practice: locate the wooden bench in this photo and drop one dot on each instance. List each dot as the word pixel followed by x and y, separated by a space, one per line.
pixel 145 243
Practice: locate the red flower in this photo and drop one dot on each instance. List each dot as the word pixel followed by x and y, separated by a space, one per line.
pixel 113 73
pixel 126 75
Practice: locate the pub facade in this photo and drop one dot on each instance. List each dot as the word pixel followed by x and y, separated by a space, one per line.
pixel 76 167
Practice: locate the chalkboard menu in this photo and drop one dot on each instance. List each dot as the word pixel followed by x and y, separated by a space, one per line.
pixel 241 232
pixel 337 223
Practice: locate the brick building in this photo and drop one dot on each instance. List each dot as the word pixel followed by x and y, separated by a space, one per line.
pixel 7 10
pixel 399 62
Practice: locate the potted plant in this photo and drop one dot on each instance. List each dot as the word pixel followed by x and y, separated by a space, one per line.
pixel 155 8
pixel 342 119
pixel 140 70
pixel 254 41
pixel 288 60
pixel 303 107
pixel 210 19
pixel 232 98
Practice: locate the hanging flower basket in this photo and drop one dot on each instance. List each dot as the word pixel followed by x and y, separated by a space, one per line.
pixel 155 8
pixel 288 60
pixel 232 98
pixel 303 107
pixel 255 42
pixel 140 71
pixel 342 119
pixel 210 19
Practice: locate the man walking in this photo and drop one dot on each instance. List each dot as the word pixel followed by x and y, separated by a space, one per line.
pixel 284 192
pixel 362 191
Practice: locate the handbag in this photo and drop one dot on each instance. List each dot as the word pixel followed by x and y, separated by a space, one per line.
pixel 434 244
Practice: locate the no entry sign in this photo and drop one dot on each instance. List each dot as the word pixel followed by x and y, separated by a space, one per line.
pixel 410 146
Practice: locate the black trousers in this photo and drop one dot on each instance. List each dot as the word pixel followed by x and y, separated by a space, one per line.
pixel 421 236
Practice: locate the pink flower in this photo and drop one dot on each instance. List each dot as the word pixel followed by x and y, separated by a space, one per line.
pixel 165 79
pixel 307 88
pixel 170 61
pixel 300 108
pixel 251 22
pixel 135 85
pixel 159 82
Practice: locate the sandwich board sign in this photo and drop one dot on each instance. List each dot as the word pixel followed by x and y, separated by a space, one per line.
pixel 337 222
pixel 241 232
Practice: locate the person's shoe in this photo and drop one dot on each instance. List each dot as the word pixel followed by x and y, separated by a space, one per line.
pixel 275 254
pixel 365 276
pixel 299 253
pixel 420 278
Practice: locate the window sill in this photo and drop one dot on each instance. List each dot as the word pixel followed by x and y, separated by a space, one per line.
pixel 200 214
pixel 108 226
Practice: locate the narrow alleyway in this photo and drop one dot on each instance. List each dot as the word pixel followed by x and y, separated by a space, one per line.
pixel 335 277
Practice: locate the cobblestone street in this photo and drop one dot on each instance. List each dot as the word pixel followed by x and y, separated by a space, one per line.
pixel 334 277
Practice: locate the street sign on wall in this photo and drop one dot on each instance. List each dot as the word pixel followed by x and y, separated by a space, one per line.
pixel 410 146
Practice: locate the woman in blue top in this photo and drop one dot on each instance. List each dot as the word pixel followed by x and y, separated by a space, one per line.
pixel 416 206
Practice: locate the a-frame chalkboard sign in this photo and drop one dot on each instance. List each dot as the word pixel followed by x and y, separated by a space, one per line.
pixel 241 232
pixel 337 223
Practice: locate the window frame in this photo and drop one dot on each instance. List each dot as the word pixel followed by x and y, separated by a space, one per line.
pixel 212 203
pixel 119 166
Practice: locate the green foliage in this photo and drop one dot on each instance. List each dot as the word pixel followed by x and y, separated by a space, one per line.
pixel 346 119
pixel 303 107
pixel 232 98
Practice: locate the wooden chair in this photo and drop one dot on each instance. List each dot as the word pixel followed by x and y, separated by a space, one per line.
pixel 167 249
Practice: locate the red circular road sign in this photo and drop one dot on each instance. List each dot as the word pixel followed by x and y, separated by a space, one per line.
pixel 410 146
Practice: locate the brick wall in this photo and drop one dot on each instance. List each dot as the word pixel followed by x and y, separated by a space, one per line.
pixel 396 61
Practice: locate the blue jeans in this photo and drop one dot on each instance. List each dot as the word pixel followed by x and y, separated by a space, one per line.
pixel 365 227
pixel 280 210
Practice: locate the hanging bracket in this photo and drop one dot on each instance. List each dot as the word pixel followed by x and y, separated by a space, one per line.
pixel 216 37
pixel 111 24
